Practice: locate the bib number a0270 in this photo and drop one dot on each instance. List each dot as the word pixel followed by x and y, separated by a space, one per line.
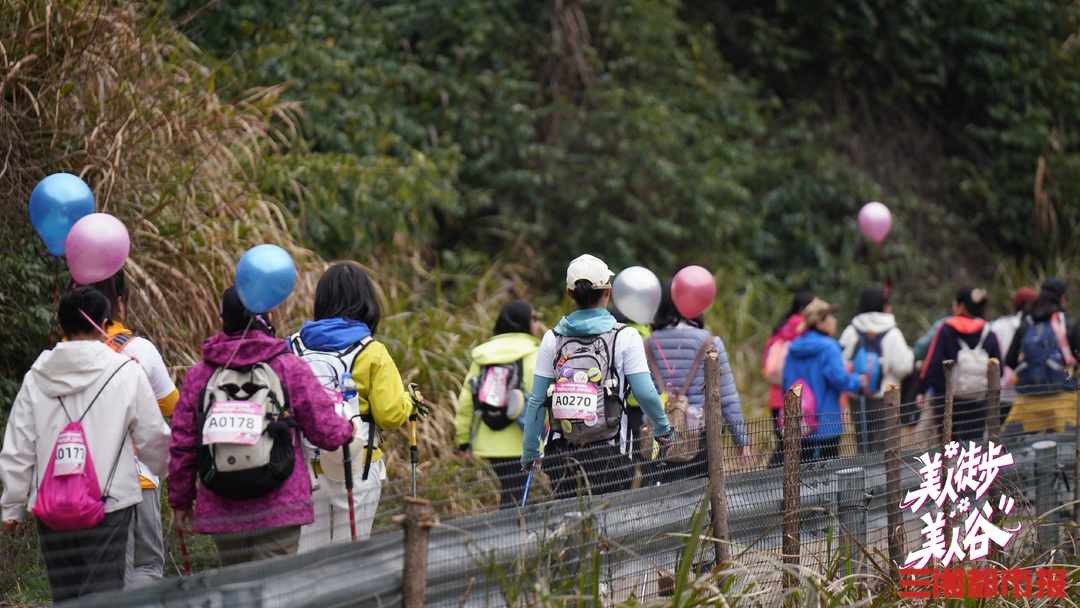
pixel 234 422
pixel 574 401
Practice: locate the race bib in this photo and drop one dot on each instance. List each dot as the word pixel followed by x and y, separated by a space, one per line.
pixel 70 454
pixel 574 401
pixel 236 422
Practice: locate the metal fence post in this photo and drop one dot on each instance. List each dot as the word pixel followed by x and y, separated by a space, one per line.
pixel 1045 501
pixel 893 475
pixel 792 479
pixel 850 507
pixel 417 521
pixel 714 437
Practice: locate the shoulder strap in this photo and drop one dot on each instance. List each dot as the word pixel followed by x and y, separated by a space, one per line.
pixel 653 367
pixel 697 363
pixel 1059 329
pixel 94 400
pixel 982 338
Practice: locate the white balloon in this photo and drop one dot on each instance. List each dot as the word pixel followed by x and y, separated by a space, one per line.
pixel 636 292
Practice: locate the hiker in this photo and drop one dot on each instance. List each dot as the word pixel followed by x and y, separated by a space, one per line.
pixel 82 379
pixel 875 346
pixel 341 339
pixel 595 360
pixel 675 351
pixel 1043 355
pixel 965 337
pixel 1004 327
pixel 791 326
pixel 816 362
pixel 147 547
pixel 489 417
pixel 251 527
pixel 640 454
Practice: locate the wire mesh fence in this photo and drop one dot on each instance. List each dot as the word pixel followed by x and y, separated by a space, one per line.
pixel 612 523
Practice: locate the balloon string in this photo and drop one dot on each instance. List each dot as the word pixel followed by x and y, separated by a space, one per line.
pixel 55 302
pixel 881 265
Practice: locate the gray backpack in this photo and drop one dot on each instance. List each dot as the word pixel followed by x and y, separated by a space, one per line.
pixel 585 405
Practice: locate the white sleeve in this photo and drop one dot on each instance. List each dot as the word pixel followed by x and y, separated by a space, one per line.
pixel 848 340
pixel 18 458
pixel 628 344
pixel 151 362
pixel 545 357
pixel 150 432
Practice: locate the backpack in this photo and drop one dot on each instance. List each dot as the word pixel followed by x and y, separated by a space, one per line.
pixel 330 366
pixel 684 420
pixel 585 405
pixel 867 359
pixel 496 393
pixel 1043 364
pixel 809 410
pixel 774 361
pixel 969 372
pixel 69 497
pixel 244 432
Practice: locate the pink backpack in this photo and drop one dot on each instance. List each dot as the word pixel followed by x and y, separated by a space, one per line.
pixel 809 410
pixel 68 497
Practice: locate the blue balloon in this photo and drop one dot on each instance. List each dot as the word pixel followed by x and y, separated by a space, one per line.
pixel 58 201
pixel 265 277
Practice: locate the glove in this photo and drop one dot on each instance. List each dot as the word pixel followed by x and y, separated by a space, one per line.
pixel 420 406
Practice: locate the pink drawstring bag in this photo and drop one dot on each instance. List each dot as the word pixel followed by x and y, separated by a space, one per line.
pixel 69 497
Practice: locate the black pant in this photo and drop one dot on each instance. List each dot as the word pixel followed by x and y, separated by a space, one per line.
pixel 875 423
pixel 821 450
pixel 82 562
pixel 511 481
pixel 596 468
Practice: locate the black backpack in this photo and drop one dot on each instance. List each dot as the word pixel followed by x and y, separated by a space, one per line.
pixel 244 434
pixel 493 390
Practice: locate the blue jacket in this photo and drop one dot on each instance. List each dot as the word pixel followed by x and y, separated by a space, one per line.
pixel 675 349
pixel 816 359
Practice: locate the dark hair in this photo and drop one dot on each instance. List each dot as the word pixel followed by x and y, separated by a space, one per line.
pixel 798 302
pixel 873 299
pixel 90 301
pixel 973 299
pixel 667 314
pixel 584 295
pixel 1044 305
pixel 235 317
pixel 515 317
pixel 114 289
pixel 345 291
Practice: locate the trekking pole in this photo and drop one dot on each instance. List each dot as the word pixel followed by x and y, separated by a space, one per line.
pixel 347 464
pixel 528 482
pixel 414 453
pixel 183 551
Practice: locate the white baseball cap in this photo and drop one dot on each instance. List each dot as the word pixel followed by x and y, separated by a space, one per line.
pixel 589 268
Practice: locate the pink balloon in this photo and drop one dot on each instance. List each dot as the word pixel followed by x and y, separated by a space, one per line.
pixel 97 246
pixel 692 291
pixel 875 220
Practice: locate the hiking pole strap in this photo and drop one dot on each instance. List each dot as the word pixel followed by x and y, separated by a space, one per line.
pixel 369 451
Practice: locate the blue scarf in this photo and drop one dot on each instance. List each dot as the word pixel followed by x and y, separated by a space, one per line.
pixel 337 334
pixel 587 322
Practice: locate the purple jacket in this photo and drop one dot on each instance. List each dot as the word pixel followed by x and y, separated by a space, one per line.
pixel 290 503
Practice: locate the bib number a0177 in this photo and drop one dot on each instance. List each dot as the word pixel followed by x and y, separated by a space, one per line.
pixel 574 401
pixel 70 454
pixel 235 422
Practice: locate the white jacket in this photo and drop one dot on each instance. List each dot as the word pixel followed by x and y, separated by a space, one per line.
pixel 126 410
pixel 897 358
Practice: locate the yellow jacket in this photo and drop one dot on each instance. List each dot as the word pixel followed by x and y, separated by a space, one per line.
pixel 379 389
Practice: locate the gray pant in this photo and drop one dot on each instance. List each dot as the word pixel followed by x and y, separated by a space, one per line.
pixel 146 551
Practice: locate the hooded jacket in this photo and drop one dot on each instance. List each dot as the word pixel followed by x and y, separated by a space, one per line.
pixel 817 360
pixel 791 329
pixel 897 359
pixel 675 349
pixel 469 429
pixel 125 411
pixel 946 344
pixel 290 503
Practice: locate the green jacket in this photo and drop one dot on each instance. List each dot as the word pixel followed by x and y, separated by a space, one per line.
pixel 470 429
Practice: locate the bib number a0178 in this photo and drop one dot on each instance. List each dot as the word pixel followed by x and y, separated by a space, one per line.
pixel 70 454
pixel 235 422
pixel 574 401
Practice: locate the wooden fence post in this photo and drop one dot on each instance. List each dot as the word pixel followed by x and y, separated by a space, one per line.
pixel 946 423
pixel 1076 481
pixel 893 477
pixel 792 480
pixel 714 437
pixel 417 521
